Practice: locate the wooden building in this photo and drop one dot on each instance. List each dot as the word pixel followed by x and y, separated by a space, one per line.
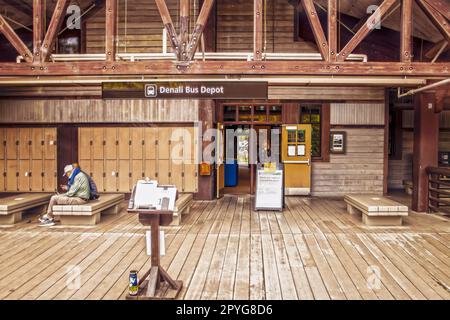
pixel 340 66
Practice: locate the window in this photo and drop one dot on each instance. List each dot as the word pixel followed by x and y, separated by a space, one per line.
pixel 312 114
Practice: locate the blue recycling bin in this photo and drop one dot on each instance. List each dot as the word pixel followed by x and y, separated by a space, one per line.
pixel 231 174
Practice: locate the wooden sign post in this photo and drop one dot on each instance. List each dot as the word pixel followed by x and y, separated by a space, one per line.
pixel 156 284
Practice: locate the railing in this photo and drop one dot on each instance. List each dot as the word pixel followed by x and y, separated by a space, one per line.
pixel 439 189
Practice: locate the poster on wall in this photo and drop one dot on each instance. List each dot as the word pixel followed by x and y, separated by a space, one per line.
pixel 269 188
pixel 338 141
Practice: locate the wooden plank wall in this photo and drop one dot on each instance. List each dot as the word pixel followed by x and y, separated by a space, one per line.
pixel 361 169
pixel 326 93
pixel 139 29
pixel 98 111
pixel 235 27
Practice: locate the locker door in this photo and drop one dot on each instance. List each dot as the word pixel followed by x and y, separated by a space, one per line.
pixel 111 143
pixel 50 172
pixel 36 178
pixel 98 174
pixel 164 135
pixel 2 175
pixel 190 178
pixel 97 143
pixel 150 169
pixel 12 140
pixel 124 143
pixel 176 176
pixel 124 178
pixel 191 145
pixel 137 172
pixel 86 167
pixel 37 156
pixel 163 172
pixel 124 149
pixel 84 143
pixel 111 174
pixel 24 175
pixel 2 159
pixel 150 138
pixel 50 143
pixel 12 172
pixel 24 143
pixel 177 144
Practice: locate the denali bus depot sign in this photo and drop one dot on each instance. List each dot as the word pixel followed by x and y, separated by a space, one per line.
pixel 186 90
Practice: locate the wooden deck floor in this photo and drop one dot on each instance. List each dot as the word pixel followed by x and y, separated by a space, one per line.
pixel 314 250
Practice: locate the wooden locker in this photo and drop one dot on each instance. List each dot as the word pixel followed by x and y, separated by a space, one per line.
pixel 36 178
pixel 124 143
pixel 24 143
pixel 86 167
pixel 50 143
pixel 176 176
pixel 84 143
pixel 2 175
pixel 163 172
pixel 12 141
pixel 124 176
pixel 97 143
pixel 111 143
pixel 137 143
pixel 2 144
pixel 190 183
pixel 137 172
pixel 50 171
pixel 111 176
pixel 24 175
pixel 150 138
pixel 190 156
pixel 177 145
pixel 150 169
pixel 164 135
pixel 12 172
pixel 98 173
pixel 37 143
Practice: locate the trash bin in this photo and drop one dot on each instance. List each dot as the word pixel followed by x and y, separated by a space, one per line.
pixel 231 174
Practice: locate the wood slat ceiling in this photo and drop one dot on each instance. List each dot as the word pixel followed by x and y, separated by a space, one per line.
pixel 19 10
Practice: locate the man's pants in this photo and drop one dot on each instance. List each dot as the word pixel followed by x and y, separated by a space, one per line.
pixel 63 200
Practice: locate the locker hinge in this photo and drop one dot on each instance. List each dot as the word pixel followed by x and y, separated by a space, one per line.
pixel 42 143
pixel 196 174
pixel 117 174
pixel 4 174
pixel 42 174
pixel 17 174
pixel 156 175
pixel 130 175
pixel 17 142
pixel 156 142
pixel 104 142
pixel 117 142
pixel 182 175
pixel 170 174
pixel 143 174
pixel 104 174
pixel 4 143
pixel 143 142
pixel 91 142
pixel 30 142
pixel 130 143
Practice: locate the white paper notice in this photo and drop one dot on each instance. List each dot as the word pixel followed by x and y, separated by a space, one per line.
pixel 269 193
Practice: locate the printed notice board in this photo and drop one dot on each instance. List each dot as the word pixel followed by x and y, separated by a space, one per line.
pixel 269 189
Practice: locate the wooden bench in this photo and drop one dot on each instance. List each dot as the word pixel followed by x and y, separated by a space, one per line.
pixel 13 207
pixel 408 187
pixel 376 211
pixel 90 213
pixel 182 206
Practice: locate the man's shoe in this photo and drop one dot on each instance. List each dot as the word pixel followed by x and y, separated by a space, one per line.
pixel 43 219
pixel 48 223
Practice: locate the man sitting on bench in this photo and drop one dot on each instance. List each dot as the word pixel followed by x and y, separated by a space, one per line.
pixel 78 192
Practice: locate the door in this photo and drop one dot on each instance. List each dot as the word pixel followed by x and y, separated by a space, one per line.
pixel 296 156
pixel 220 166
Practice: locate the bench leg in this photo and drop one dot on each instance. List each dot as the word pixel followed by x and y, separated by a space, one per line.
pixel 351 210
pixel 382 220
pixel 176 219
pixel 80 220
pixel 10 219
pixel 113 210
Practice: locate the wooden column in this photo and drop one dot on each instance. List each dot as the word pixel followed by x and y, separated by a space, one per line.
pixel 38 28
pixel 206 184
pixel 210 33
pixel 184 27
pixel 53 28
pixel 258 29
pixel 406 31
pixel 426 147
pixel 332 30
pixel 111 30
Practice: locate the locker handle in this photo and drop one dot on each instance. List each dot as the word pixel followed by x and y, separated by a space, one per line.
pixel 130 175
pixel 17 174
pixel 30 142
pixel 42 143
pixel 42 174
pixel 130 142
pixel 17 142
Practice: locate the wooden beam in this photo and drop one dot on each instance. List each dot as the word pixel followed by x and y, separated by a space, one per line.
pixel 111 30
pixel 319 35
pixel 442 6
pixel 168 24
pixel 53 29
pixel 199 27
pixel 38 28
pixel 21 5
pixel 210 33
pixel 366 29
pixel 15 40
pixel 258 29
pixel 406 31
pixel 184 27
pixel 225 67
pixel 437 18
pixel 437 49
pixel 332 29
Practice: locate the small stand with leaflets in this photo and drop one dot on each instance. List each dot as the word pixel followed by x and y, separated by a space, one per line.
pixel 269 187
pixel 155 205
